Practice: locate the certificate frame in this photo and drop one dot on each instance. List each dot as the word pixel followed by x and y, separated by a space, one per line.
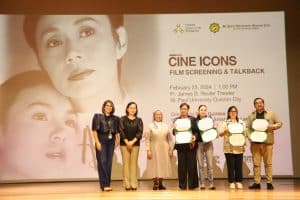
pixel 205 124
pixel 236 134
pixel 259 124
pixel 183 137
pixel 258 136
pixel 211 134
pixel 185 122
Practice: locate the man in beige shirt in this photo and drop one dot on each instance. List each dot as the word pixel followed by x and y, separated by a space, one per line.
pixel 264 149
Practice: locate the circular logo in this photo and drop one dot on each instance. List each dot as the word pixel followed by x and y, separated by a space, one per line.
pixel 214 27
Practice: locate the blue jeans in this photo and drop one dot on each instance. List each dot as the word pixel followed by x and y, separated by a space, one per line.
pixel 104 160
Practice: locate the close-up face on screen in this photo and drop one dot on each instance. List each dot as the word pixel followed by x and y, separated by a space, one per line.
pixel 78 52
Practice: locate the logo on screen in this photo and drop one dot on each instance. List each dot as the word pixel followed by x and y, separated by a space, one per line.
pixel 178 29
pixel 214 27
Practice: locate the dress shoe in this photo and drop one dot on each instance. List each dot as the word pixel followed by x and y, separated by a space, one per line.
pixel 182 188
pixel 270 186
pixel 162 187
pixel 254 186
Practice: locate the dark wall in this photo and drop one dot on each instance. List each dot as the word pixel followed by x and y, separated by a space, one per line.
pixel 290 7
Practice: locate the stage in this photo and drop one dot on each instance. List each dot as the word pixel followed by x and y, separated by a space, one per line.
pixel 284 189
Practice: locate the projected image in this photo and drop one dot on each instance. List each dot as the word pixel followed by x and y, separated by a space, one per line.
pixel 158 61
pixel 80 54
pixel 38 129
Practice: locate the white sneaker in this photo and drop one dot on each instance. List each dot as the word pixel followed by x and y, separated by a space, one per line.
pixel 231 186
pixel 239 185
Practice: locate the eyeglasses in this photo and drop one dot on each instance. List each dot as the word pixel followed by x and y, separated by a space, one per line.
pixel 233 111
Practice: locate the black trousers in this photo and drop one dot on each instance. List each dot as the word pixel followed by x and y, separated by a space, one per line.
pixel 234 167
pixel 187 168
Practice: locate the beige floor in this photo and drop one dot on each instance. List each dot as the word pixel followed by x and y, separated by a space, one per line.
pixel 285 189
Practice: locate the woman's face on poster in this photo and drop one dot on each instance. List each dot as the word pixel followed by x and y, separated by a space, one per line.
pixel 78 52
pixel 39 134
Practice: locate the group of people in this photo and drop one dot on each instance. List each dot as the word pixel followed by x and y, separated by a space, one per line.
pixel 194 151
pixel 109 130
pixel 71 51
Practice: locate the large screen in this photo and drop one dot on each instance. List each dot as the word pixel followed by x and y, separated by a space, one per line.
pixel 57 70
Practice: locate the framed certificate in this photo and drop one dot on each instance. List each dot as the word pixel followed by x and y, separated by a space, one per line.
pixel 236 134
pixel 205 124
pixel 235 128
pixel 183 124
pixel 183 137
pixel 209 135
pixel 237 139
pixel 259 127
pixel 207 131
pixel 258 136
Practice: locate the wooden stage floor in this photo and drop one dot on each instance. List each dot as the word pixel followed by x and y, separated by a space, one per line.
pixel 285 189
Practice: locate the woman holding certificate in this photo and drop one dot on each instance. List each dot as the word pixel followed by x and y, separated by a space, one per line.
pixel 207 133
pixel 233 131
pixel 185 144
